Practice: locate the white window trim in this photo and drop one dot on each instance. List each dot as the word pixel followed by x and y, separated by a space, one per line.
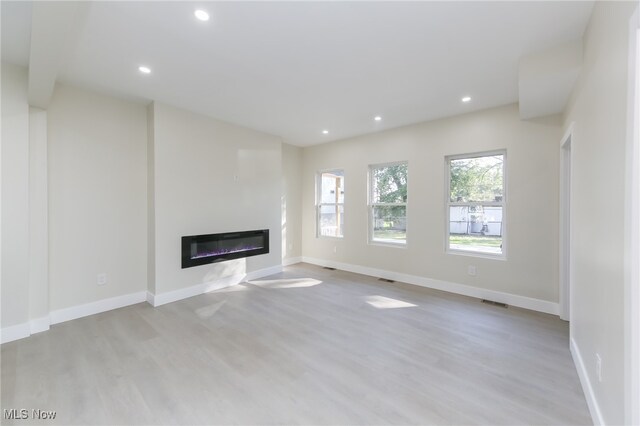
pixel 371 205
pixel 319 204
pixel 448 204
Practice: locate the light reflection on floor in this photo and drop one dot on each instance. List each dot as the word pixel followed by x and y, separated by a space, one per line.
pixel 210 310
pixel 233 288
pixel 286 283
pixel 382 302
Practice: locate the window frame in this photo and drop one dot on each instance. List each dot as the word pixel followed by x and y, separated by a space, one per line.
pixel 371 206
pixel 319 202
pixel 448 204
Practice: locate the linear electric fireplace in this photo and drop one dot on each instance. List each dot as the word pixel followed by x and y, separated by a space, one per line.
pixel 203 249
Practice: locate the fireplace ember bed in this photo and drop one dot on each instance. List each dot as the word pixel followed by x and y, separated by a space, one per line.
pixel 211 248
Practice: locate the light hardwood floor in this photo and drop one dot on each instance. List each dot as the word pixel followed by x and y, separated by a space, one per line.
pixel 308 346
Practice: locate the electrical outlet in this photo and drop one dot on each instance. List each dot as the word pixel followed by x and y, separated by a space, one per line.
pixel 335 249
pixel 599 367
pixel 290 246
pixel 471 270
pixel 102 278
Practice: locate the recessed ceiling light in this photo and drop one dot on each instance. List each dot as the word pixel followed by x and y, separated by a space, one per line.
pixel 466 99
pixel 144 70
pixel 325 132
pixel 201 15
pixel 377 118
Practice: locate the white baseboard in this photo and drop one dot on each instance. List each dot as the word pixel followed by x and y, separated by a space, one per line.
pixel 150 298
pixel 79 311
pixel 39 325
pixel 15 332
pixel 291 261
pixel 592 402
pixel 463 289
pixel 26 329
pixel 185 293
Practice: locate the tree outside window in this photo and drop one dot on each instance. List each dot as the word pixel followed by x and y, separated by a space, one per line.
pixel 388 203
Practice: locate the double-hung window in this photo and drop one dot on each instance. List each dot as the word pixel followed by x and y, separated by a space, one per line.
pixel 388 203
pixel 330 203
pixel 476 197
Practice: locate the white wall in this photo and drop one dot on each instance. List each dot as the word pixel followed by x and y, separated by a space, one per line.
pixel 97 197
pixel 598 108
pixel 103 201
pixel 151 217
pixel 210 177
pixel 15 197
pixel 531 268
pixel 38 220
pixel 291 202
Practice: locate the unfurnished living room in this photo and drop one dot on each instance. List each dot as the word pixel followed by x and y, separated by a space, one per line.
pixel 320 213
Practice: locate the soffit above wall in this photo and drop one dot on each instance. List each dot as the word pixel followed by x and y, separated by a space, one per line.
pixel 546 79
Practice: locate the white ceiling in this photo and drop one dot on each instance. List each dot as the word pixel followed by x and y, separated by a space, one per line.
pixel 293 69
